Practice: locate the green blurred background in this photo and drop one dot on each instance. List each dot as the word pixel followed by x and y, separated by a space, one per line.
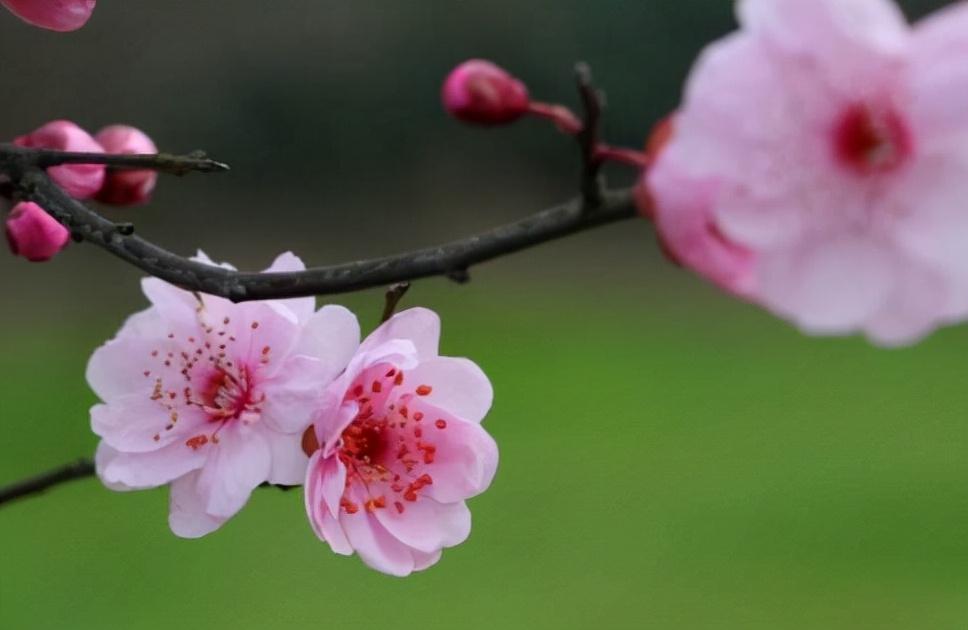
pixel 671 458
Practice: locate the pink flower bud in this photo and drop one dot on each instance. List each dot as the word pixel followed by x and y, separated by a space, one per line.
pixel 56 15
pixel 125 187
pixel 479 92
pixel 34 234
pixel 81 181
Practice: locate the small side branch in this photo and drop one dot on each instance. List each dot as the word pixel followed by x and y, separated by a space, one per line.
pixel 195 162
pixel 589 138
pixel 393 296
pixel 80 469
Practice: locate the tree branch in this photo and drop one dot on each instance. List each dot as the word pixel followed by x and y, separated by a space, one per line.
pixel 35 485
pixel 80 469
pixel 196 161
pixel 441 260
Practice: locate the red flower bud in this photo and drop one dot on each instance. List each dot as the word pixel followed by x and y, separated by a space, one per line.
pixel 81 181
pixel 126 187
pixel 34 234
pixel 482 93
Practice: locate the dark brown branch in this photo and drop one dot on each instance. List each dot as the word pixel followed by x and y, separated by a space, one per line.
pixel 589 138
pixel 441 260
pixel 35 485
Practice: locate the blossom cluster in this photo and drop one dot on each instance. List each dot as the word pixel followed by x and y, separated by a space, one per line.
pixel 216 399
pixel 37 236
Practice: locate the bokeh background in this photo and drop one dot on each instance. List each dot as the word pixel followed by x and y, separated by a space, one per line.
pixel 671 458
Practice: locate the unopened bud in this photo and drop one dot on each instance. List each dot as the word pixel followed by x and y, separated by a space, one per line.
pixel 480 92
pixel 56 15
pixel 81 181
pixel 34 234
pixel 126 187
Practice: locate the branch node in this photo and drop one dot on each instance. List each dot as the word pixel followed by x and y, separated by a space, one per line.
pixel 393 296
pixel 593 105
pixel 124 229
pixel 460 276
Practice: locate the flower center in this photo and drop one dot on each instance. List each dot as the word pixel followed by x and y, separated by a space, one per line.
pixel 227 394
pixel 871 141
pixel 389 446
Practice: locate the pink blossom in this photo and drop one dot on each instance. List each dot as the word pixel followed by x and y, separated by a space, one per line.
pixel 56 15
pixel 126 187
pixel 480 92
pixel 34 234
pixel 819 166
pixel 213 397
pixel 81 181
pixel 401 449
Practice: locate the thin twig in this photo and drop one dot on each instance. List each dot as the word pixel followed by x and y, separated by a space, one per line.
pixel 589 138
pixel 393 296
pixel 196 161
pixel 35 485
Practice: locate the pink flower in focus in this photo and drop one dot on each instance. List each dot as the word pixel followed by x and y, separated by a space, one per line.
pixel 819 166
pixel 34 234
pixel 401 449
pixel 56 15
pixel 126 187
pixel 213 397
pixel 81 181
pixel 480 92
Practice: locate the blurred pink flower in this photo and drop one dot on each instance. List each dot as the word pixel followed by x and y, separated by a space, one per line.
pixel 213 397
pixel 56 15
pixel 34 234
pixel 401 449
pixel 819 166
pixel 81 181
pixel 126 187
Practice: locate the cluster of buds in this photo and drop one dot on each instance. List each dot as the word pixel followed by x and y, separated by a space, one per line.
pixel 34 234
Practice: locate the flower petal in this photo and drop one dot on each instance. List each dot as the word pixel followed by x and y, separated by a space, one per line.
pixel 137 424
pixel 128 365
pixel 426 525
pixel 302 308
pixel 136 471
pixel 331 335
pixel 939 77
pixel 236 466
pixel 293 394
pixel 831 287
pixel 418 325
pixel 319 476
pixel 458 386
pixel 847 39
pixel 288 467
pixel 466 456
pixel 186 512
pixel 377 548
